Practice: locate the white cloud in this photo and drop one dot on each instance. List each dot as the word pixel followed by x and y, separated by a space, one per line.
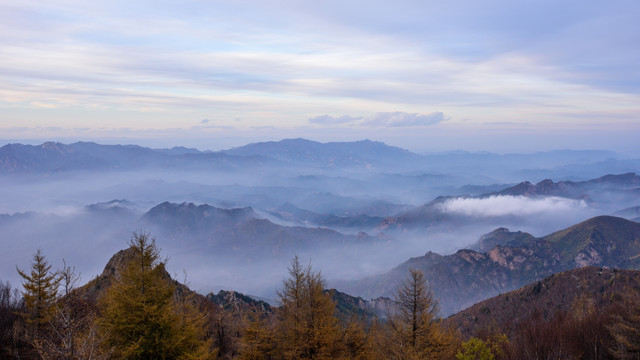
pixel 511 205
pixel 400 118
pixel 276 64
pixel 382 119
pixel 333 120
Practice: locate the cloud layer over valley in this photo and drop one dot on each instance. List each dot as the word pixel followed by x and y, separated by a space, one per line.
pixel 497 206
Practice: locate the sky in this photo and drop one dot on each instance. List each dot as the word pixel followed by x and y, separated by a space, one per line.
pixel 504 76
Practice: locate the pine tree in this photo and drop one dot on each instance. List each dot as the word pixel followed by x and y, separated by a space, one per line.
pixel 141 318
pixel 40 292
pixel 257 342
pixel 307 326
pixel 414 329
pixel 359 344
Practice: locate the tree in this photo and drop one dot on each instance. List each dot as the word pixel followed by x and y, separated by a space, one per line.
pixel 414 329
pixel 478 349
pixel 475 349
pixel 10 304
pixel 66 321
pixel 142 320
pixel 40 292
pixel 625 329
pixel 307 327
pixel 257 342
pixel 359 344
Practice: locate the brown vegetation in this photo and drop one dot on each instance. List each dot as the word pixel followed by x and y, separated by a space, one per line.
pixel 134 310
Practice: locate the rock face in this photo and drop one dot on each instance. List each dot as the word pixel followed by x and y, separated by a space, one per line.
pixel 238 303
pixel 348 306
pixel 503 237
pixel 468 276
pixel 95 288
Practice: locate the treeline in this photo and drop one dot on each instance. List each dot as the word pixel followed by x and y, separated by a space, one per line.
pixel 141 313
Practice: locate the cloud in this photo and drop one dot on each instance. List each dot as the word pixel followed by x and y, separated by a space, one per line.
pixel 205 121
pixel 511 205
pixel 382 119
pixel 333 120
pixel 400 119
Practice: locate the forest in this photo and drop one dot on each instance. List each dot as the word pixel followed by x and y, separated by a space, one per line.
pixel 140 312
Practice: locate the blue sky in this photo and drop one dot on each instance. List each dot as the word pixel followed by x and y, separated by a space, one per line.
pixel 507 76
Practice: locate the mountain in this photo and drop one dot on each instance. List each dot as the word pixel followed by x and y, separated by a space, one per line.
pixel 46 158
pixel 571 189
pixel 624 181
pixel 347 306
pixel 113 207
pixel 603 195
pixel 502 237
pixel 294 214
pixel 238 303
pixel 545 187
pixel 53 157
pixel 360 154
pixel 466 277
pixel 96 288
pixel 428 215
pixel 233 301
pixel 579 291
pixel 633 211
pixel 241 231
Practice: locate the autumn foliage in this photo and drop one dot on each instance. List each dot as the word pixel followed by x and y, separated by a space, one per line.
pixel 141 313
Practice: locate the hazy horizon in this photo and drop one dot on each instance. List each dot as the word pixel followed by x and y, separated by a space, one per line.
pixel 222 144
pixel 497 76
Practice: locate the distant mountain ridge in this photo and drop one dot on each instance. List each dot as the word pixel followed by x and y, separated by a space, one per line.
pixel 606 191
pixel 572 189
pixel 364 153
pixel 466 277
pixel 53 157
pixel 240 231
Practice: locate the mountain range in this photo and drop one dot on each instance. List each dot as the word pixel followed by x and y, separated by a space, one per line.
pixel 55 158
pixel 461 279
pixel 235 217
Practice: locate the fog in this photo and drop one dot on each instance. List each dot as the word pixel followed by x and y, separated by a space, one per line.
pixel 238 226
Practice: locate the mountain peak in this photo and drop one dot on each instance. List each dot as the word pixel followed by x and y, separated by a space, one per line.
pixel 57 147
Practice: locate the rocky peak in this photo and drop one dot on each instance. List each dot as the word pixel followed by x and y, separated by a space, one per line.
pixel 117 263
pixel 57 147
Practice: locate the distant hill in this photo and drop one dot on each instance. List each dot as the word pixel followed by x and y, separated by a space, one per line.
pixel 608 194
pixel 502 237
pixel 574 291
pixel 571 189
pixel 362 154
pixel 238 303
pixel 240 233
pixel 481 168
pixel 466 277
pixel 292 213
pixel 53 157
pixel 348 306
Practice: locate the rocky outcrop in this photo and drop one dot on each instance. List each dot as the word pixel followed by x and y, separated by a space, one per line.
pixel 468 276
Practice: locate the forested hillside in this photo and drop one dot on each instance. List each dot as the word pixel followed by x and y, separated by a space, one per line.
pixel 135 310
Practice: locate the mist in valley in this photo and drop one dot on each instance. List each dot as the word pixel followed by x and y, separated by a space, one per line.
pixel 238 226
